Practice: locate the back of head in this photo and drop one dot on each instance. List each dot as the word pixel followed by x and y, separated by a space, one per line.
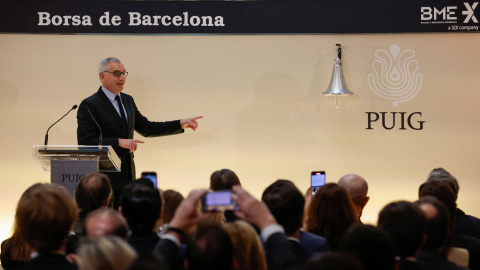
pixel 335 261
pixel 443 192
pixel 438 222
pixel 210 247
pixel 223 179
pixel 105 221
pixel 371 245
pixel 17 245
pixel 172 200
pixel 442 175
pixel 141 205
pixel 286 204
pixel 356 187
pixel 45 216
pixel 247 248
pixel 106 253
pixel 92 192
pixel 331 213
pixel 406 224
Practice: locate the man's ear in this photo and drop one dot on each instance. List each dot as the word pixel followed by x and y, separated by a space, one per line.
pixel 365 201
pixel 120 211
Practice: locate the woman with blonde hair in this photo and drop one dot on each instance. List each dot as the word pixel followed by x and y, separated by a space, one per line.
pixel 247 248
pixel 108 252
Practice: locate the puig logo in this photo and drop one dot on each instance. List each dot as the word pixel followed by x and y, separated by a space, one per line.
pixel 395 75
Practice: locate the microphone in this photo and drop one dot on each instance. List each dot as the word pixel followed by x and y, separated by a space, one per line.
pixel 100 138
pixel 46 135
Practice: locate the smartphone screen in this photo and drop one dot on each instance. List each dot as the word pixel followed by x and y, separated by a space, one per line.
pixel 218 201
pixel 152 176
pixel 317 180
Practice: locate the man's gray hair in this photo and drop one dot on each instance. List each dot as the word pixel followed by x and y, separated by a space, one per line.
pixel 103 66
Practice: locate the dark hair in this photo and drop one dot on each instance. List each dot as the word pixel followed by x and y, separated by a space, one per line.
pixel 335 261
pixel 210 247
pixel 331 213
pixel 92 192
pixel 45 216
pixel 286 204
pixel 172 200
pixel 223 179
pixel 371 245
pixel 406 224
pixel 141 205
pixel 443 192
pixel 442 175
pixel 438 226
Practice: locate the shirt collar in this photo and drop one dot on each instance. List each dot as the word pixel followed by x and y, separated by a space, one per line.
pixel 111 96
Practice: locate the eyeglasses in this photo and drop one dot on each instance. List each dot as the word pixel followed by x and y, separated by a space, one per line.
pixel 117 73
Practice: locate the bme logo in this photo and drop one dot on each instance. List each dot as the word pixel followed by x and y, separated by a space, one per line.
pixel 449 13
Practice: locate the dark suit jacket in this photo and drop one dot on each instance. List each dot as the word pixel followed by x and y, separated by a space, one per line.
pixel 467 225
pixel 314 243
pixel 50 262
pixel 472 245
pixel 433 260
pixel 114 128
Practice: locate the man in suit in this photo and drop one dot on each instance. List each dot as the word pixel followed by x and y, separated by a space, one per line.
pixel 286 203
pixel 118 117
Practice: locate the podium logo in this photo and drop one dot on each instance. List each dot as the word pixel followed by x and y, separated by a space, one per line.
pixel 395 75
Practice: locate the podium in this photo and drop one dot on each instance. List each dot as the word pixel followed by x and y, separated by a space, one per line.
pixel 68 163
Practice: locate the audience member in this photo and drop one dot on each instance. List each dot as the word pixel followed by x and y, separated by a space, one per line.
pixel 357 188
pixel 330 214
pixel 141 205
pixel 433 253
pixel 209 247
pixel 108 252
pixel 371 245
pixel 247 247
pixel 406 223
pixel 172 200
pixel 92 192
pixel 45 216
pixel 464 224
pixel 15 250
pixel 277 246
pixel 224 179
pixel 105 221
pixel 286 203
pixel 335 261
pixel 456 241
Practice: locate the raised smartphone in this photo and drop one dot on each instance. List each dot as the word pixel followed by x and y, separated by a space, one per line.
pixel 218 201
pixel 317 180
pixel 152 176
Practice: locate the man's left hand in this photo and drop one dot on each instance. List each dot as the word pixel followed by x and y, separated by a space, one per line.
pixel 190 123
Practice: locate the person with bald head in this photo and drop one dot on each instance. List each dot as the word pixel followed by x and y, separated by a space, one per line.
pixel 105 221
pixel 357 188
